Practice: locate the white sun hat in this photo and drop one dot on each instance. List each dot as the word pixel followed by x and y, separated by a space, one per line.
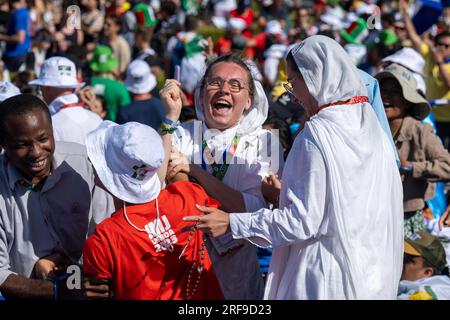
pixel 126 158
pixel 58 72
pixel 273 27
pixel 236 24
pixel 413 61
pixel 139 77
pixel 7 90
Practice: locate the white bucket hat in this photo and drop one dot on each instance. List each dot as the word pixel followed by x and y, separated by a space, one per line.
pixel 7 90
pixel 139 78
pixel 273 27
pixel 58 72
pixel 236 24
pixel 408 58
pixel 333 17
pixel 126 158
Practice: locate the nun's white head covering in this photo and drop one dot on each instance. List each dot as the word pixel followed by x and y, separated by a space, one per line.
pixel 251 119
pixel 327 70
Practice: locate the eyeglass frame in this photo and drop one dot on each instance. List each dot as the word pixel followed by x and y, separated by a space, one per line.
pixel 222 81
pixel 288 87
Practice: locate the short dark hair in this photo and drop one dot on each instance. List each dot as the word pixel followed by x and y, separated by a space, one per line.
pixel 169 7
pixel 236 58
pixel 441 35
pixel 18 105
pixel 144 32
pixel 191 23
pixel 408 258
pixel 115 18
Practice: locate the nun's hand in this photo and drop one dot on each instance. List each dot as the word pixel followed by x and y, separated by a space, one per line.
pixel 171 96
pixel 270 188
pixel 214 222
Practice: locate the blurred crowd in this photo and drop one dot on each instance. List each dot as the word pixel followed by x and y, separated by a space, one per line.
pixel 123 52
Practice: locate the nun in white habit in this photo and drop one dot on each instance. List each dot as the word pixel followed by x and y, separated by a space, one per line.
pixel 338 232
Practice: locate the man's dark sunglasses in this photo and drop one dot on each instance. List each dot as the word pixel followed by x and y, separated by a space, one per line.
pixel 443 45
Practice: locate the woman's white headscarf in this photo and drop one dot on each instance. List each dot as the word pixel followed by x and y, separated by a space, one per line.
pixel 328 73
pixel 254 117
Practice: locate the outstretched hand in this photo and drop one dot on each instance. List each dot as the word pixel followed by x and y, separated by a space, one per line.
pixel 214 222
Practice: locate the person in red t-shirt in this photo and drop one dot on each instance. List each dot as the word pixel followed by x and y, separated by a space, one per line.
pixel 142 251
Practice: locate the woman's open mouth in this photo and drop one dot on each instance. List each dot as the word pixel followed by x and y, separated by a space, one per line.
pixel 221 107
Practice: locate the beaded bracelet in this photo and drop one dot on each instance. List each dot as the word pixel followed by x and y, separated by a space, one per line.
pixel 165 129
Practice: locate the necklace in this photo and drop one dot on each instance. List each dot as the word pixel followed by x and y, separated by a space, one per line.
pixel 164 243
pixel 190 290
pixel 219 171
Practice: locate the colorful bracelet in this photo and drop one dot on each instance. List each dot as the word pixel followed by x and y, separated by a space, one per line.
pixel 170 122
pixel 165 129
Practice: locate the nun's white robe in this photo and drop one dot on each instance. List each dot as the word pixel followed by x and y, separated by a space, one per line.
pixel 338 232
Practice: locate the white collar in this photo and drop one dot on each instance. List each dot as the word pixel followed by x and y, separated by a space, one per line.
pixel 218 139
pixel 56 104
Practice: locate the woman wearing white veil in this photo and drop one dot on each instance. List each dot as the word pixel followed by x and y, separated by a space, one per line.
pixel 231 108
pixel 338 231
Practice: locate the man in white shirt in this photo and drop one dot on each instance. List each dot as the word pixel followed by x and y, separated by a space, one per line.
pixel 71 121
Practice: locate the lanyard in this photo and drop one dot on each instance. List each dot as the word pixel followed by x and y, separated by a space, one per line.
pixel 219 170
pixel 354 100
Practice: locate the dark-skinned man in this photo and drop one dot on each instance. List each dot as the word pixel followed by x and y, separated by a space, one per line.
pixel 48 204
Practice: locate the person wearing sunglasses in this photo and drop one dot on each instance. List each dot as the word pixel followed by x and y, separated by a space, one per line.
pixel 436 71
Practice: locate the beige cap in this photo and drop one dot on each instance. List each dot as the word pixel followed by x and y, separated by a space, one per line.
pixel 421 108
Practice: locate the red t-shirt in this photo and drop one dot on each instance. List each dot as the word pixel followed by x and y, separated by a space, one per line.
pixel 141 268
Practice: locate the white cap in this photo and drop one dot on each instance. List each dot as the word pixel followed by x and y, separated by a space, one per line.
pixel 333 17
pixel 412 60
pixel 7 90
pixel 274 27
pixel 219 22
pixel 356 52
pixel 58 72
pixel 408 58
pixel 139 78
pixel 236 24
pixel 126 158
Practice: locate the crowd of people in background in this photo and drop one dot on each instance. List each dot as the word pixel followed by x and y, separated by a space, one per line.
pixel 94 88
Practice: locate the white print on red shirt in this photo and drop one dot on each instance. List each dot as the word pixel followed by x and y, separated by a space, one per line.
pixel 161 234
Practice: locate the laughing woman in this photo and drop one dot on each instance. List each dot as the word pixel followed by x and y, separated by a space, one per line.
pixel 231 107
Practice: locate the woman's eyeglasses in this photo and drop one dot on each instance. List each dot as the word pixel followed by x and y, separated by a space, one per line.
pixel 234 84
pixel 289 88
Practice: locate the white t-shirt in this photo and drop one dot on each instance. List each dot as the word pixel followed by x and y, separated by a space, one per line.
pixel 72 124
